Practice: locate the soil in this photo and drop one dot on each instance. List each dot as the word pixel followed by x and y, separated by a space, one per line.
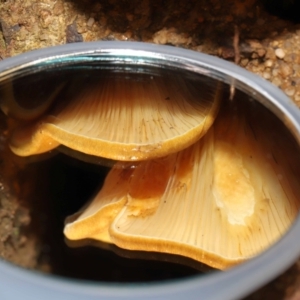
pixel 263 36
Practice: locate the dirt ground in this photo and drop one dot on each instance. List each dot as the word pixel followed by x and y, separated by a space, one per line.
pixel 261 36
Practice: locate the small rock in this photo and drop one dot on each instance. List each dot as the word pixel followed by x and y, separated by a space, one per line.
pixel 226 52
pixel 279 53
pixel 261 52
pixel 296 68
pixel 266 75
pixel 254 44
pixel 290 91
pixel 275 72
pixel 285 69
pixel 72 35
pixel 290 58
pixel 171 36
pixel 244 62
pixel 43 37
pixel 268 63
pixel 8 31
pixel 270 53
pixel 254 55
pixel 255 62
pixel 58 8
pixel 276 81
pixel 297 97
pixel 90 22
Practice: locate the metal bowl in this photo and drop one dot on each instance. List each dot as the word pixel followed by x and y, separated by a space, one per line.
pixel 237 282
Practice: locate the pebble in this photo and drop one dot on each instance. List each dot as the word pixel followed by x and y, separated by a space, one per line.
pixel 297 97
pixel 261 52
pixel 279 53
pixel 244 62
pixel 90 22
pixel 296 69
pixel 266 75
pixel 276 81
pixel 255 62
pixel 290 91
pixel 270 53
pixel 275 72
pixel 269 63
pixel 285 69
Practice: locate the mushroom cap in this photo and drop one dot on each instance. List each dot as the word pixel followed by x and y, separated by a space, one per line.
pixel 221 201
pixel 133 117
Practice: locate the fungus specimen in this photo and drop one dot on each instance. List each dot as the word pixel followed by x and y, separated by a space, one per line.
pixel 136 117
pixel 221 201
pixel 218 191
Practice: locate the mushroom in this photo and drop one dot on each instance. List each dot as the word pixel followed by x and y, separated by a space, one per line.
pixel 217 193
pixel 220 201
pixel 132 117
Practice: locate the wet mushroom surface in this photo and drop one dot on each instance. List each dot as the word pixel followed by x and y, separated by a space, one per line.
pixel 221 201
pixel 124 117
pixel 219 191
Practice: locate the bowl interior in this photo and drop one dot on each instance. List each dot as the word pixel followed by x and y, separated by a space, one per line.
pixel 28 89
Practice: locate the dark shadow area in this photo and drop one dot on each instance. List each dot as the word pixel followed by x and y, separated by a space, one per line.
pixel 285 9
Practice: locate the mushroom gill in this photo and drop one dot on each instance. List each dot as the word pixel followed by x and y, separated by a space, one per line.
pixel 221 201
pixel 132 117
